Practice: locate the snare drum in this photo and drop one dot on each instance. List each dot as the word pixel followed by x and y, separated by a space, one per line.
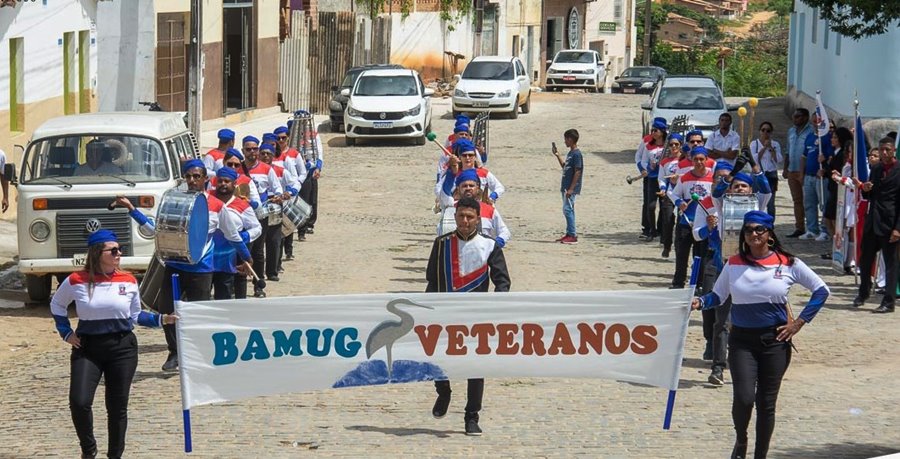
pixel 262 212
pixel 151 284
pixel 447 223
pixel 734 206
pixel 182 226
pixel 274 213
pixel 295 213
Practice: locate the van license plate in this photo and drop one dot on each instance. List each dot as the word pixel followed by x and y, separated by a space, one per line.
pixel 628 91
pixel 78 259
pixel 382 125
pixel 568 78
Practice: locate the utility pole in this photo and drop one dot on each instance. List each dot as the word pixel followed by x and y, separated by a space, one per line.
pixel 648 15
pixel 195 89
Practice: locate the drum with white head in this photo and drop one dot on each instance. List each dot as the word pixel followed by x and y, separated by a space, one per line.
pixel 294 214
pixel 734 206
pixel 182 226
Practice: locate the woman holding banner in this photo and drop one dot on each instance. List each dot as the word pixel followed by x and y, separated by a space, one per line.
pixel 758 280
pixel 108 305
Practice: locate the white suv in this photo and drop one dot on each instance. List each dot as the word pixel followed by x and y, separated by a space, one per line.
pixel 577 68
pixel 391 103
pixel 493 84
pixel 697 97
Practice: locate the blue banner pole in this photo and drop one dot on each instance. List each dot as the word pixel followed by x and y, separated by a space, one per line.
pixel 670 403
pixel 186 413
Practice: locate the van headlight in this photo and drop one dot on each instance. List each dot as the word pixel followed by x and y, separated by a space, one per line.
pixel 39 230
pixel 589 71
pixel 146 232
pixel 459 93
pixel 505 93
pixel 354 112
pixel 414 111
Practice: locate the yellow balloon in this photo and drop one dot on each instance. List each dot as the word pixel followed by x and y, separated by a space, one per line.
pixel 742 111
pixel 753 102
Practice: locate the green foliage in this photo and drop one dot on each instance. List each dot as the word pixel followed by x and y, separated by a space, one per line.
pixel 858 18
pixel 782 8
pixel 452 11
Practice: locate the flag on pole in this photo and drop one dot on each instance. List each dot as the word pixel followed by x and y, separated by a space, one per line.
pixel 860 152
pixel 821 118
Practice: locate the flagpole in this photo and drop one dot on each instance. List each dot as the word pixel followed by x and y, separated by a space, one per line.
pixel 670 401
pixel 820 190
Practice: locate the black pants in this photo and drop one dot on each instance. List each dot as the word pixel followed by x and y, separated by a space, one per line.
pixel 240 286
pixel 666 222
pixel 648 206
pixel 223 286
pixel 287 242
pixel 716 321
pixel 772 177
pixel 115 357
pixel 258 250
pixel 474 395
pixel 273 250
pixel 871 244
pixel 685 245
pixel 309 191
pixel 758 363
pixel 194 287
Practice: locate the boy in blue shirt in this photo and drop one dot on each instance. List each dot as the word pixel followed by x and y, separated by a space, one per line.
pixel 572 170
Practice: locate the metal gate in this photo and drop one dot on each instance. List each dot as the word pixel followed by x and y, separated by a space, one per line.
pixel 295 82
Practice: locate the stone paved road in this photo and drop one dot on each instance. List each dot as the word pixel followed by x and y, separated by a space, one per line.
pixel 838 400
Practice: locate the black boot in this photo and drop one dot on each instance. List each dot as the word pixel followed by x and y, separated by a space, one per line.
pixel 443 399
pixel 472 428
pixel 739 451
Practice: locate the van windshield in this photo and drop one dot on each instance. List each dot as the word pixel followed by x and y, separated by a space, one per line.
pixel 82 159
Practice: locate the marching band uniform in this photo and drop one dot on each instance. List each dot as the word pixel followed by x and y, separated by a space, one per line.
pixel 688 184
pixel 465 263
pixel 213 158
pixel 264 248
pixel 237 218
pixel 668 175
pixel 289 184
pixel 108 306
pixel 492 224
pixel 647 158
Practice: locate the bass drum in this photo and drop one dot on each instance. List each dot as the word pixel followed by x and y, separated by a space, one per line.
pixel 295 213
pixel 734 206
pixel 182 226
pixel 151 284
pixel 447 223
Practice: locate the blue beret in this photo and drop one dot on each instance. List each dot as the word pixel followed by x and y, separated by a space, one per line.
pixel 234 152
pixel 743 177
pixel 190 164
pixel 759 217
pixel 227 172
pixel 461 145
pixel 660 123
pixel 693 133
pixel 461 128
pixel 250 138
pixel 269 137
pixel 468 175
pixel 699 150
pixel 463 119
pixel 281 130
pixel 226 134
pixel 722 165
pixel 676 136
pixel 100 236
pixel 267 147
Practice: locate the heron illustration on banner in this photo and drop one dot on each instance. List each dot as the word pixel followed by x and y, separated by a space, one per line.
pixel 386 333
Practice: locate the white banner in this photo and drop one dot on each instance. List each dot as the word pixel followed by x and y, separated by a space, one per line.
pixel 232 350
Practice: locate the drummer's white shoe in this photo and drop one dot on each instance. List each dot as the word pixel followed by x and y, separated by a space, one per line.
pixel 823 236
pixel 807 236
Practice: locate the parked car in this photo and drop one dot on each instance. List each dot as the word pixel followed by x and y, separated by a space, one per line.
pixel 339 102
pixel 638 80
pixel 577 68
pixel 388 103
pixel 698 97
pixel 62 199
pixel 493 84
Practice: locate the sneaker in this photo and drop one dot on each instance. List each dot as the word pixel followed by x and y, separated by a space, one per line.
pixel 171 363
pixel 807 236
pixel 716 378
pixel 309 230
pixel 569 240
pixel 822 237
pixel 259 293
pixel 708 353
pixel 440 406
pixel 301 237
pixel 288 257
pixel 561 239
pixel 665 253
pixel 472 428
pixel 644 237
pixel 796 233
pixel 273 278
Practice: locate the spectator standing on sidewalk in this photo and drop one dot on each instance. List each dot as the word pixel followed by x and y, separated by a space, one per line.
pixel 793 166
pixel 572 171
pixel 767 153
pixel 818 152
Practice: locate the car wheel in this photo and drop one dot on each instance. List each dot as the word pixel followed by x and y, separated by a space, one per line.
pixel 515 111
pixel 349 141
pixel 38 287
pixel 592 89
pixel 526 107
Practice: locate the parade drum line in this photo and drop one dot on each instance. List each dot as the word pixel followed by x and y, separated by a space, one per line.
pixel 151 284
pixel 734 206
pixel 294 214
pixel 182 226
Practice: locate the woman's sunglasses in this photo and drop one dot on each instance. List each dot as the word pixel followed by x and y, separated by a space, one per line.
pixel 113 251
pixel 765 130
pixel 757 229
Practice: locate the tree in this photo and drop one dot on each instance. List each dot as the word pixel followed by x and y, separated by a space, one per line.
pixel 858 18
pixel 451 10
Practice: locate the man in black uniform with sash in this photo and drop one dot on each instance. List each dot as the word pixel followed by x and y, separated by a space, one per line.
pixel 465 261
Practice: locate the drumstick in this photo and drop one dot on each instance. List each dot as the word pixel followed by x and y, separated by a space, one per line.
pixel 432 137
pixel 256 280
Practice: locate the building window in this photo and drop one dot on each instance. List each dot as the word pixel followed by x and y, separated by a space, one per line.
pixel 16 84
pixel 617 14
pixel 815 24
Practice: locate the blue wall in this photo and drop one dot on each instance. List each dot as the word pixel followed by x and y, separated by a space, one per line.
pixel 869 65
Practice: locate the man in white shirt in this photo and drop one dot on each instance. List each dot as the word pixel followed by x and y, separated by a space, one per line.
pixel 95 165
pixel 724 143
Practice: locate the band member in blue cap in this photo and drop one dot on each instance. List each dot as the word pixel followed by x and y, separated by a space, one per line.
pixel 108 305
pixel 230 257
pixel 758 280
pixel 647 157
pixel 213 158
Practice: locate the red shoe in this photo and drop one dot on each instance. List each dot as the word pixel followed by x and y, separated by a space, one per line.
pixel 561 239
pixel 569 239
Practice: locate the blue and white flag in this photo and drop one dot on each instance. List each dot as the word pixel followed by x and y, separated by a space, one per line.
pixel 860 152
pixel 821 117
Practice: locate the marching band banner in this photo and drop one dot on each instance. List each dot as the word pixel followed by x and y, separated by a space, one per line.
pixel 233 350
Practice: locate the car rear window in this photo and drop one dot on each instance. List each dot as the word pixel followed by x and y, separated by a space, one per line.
pixel 638 72
pixel 690 98
pixel 382 85
pixel 489 71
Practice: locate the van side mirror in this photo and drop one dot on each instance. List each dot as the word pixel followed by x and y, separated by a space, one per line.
pixel 9 173
pixel 345 92
pixel 428 92
pixel 646 105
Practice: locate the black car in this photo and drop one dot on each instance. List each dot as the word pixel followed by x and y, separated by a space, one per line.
pixel 339 103
pixel 638 80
